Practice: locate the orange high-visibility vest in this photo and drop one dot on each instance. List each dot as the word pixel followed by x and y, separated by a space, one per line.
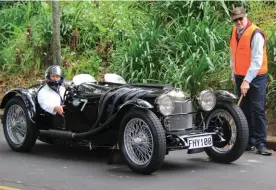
pixel 241 51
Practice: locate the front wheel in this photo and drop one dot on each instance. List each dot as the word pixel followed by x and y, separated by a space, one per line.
pixel 142 141
pixel 230 125
pixel 19 131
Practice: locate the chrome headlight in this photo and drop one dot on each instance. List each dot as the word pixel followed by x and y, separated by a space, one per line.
pixel 207 100
pixel 165 104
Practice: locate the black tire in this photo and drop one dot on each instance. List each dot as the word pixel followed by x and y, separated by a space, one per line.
pixel 158 140
pixel 31 134
pixel 242 134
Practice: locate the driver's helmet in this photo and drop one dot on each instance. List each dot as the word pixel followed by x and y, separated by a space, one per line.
pixel 54 69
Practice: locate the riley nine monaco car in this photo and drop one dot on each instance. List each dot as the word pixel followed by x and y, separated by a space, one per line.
pixel 143 121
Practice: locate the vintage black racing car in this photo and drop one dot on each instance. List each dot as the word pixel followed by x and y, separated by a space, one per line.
pixel 144 121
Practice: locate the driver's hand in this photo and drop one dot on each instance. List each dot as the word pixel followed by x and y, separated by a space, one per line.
pixel 59 110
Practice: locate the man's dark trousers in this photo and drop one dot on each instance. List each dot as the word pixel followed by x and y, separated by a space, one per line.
pixel 253 106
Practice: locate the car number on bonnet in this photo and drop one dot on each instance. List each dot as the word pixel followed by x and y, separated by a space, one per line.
pixel 200 142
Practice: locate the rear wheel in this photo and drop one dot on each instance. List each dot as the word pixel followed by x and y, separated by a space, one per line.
pixel 230 124
pixel 142 141
pixel 19 131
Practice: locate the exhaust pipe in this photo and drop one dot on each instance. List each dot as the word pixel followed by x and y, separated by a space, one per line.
pixel 57 134
pixel 67 135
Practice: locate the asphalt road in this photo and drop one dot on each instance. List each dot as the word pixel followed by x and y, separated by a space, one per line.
pixel 56 168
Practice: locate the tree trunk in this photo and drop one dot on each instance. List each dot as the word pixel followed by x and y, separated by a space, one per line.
pixel 56 34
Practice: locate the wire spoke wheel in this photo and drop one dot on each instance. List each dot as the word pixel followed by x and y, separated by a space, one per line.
pixel 228 121
pixel 20 132
pixel 226 128
pixel 139 141
pixel 142 140
pixel 16 124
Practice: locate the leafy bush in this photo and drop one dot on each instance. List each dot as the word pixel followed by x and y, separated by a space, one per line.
pixel 80 63
pixel 181 43
pixel 184 51
pixel 20 50
pixel 271 50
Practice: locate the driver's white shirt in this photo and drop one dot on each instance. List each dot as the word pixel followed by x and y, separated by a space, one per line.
pixel 48 99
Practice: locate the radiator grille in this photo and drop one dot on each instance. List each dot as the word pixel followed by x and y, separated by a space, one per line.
pixel 180 122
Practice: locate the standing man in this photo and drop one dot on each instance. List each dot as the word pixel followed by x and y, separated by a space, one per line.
pixel 249 72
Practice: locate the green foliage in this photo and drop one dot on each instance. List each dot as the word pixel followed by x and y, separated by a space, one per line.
pixel 22 42
pixel 84 63
pixel 271 91
pixel 271 51
pixel 197 51
pixel 90 65
pixel 98 21
pixel 271 44
pixel 264 19
pixel 184 43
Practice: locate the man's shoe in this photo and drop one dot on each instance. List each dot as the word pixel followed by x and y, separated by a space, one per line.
pixel 261 149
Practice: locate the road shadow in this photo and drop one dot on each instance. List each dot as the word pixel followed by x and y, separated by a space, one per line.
pixel 172 163
pixel 72 153
pixel 117 164
pixel 53 152
pixel 112 159
pixel 182 168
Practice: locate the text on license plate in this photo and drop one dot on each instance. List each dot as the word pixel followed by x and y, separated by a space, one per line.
pixel 200 142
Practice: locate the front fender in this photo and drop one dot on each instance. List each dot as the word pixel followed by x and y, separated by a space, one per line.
pixel 138 103
pixel 225 95
pixel 26 96
pixel 133 103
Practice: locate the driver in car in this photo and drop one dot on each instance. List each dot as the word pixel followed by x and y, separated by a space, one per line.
pixel 50 97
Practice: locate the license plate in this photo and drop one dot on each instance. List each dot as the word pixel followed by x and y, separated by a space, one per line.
pixel 200 142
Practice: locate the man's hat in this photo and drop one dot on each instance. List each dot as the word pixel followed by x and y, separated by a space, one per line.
pixel 238 12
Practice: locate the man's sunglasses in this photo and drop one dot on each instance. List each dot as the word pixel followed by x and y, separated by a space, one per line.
pixel 236 20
